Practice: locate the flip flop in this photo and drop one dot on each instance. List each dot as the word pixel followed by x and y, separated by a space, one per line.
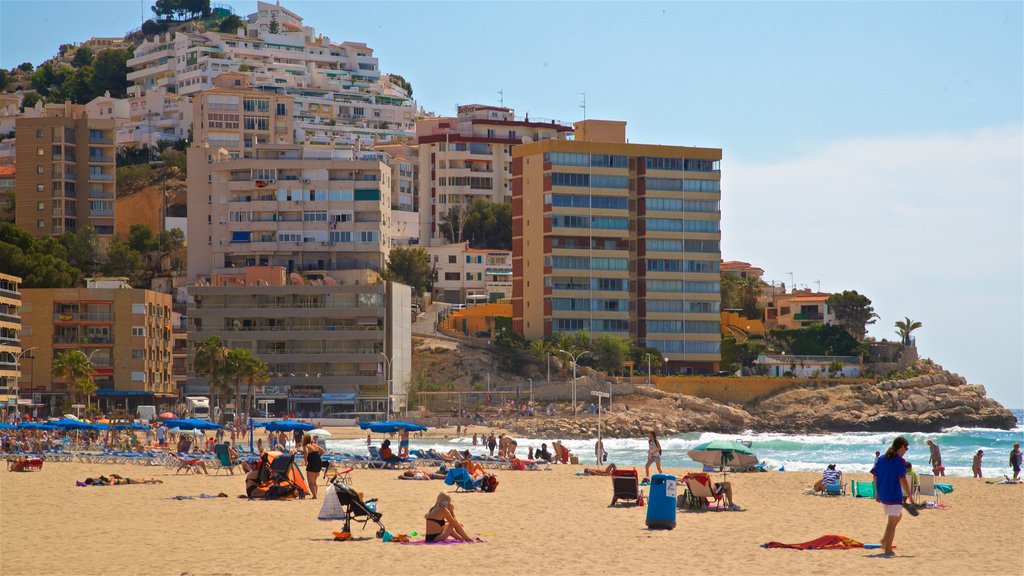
pixel 911 509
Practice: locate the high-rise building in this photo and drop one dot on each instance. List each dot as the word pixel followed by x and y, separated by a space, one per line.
pixel 10 337
pixel 125 332
pixel 405 199
pixel 620 239
pixel 257 199
pixel 340 95
pixel 66 171
pixel 333 347
pixel 470 156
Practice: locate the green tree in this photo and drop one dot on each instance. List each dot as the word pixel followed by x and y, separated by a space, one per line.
pixel 241 366
pixel 750 291
pixel 78 85
pixel 610 352
pixel 410 266
pixel 488 225
pixel 25 66
pixel 402 83
pixel 122 260
pixel 40 263
pixel 741 355
pixel 29 101
pixel 7 205
pixel 76 369
pixel 83 57
pixel 211 361
pixel 905 327
pixel 5 77
pixel 49 80
pixel 82 249
pixel 818 340
pixel 452 223
pixel 141 238
pixel 110 72
pixel 853 312
pixel 275 26
pixel 231 24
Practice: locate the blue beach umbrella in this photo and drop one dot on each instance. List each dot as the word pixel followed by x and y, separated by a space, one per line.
pixel 289 426
pixel 36 426
pixel 6 426
pixel 391 426
pixel 72 424
pixel 191 424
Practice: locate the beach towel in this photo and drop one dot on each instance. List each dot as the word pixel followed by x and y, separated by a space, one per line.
pixel 827 542
pixel 442 543
pixel 944 488
pixel 221 495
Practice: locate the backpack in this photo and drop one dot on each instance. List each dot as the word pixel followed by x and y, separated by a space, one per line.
pixel 490 483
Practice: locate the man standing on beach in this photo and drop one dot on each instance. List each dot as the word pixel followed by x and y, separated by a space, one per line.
pixel 891 488
pixel 1016 458
pixel 936 459
pixel 599 451
pixel 491 443
pixel 976 466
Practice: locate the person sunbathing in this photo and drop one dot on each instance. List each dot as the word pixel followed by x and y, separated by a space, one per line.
pixel 829 476
pixel 115 480
pixel 600 471
pixel 441 522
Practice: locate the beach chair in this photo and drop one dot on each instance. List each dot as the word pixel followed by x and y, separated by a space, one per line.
pixel 925 488
pixel 860 489
pixel 834 489
pixel 626 486
pixel 223 461
pixel 702 488
pixel 187 463
pixel 460 478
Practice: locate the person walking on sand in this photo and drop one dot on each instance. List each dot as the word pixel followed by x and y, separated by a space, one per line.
pixel 976 465
pixel 936 459
pixel 403 443
pixel 314 463
pixel 653 455
pixel 891 488
pixel 1016 459
pixel 599 451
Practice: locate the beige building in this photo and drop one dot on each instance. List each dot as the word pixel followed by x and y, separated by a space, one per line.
pixel 126 332
pixel 257 199
pixel 66 172
pixel 405 199
pixel 332 346
pixel 10 339
pixel 470 156
pixel 798 309
pixel 622 239
pixel 464 275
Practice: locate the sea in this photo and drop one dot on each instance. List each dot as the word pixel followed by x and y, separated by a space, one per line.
pixel 849 451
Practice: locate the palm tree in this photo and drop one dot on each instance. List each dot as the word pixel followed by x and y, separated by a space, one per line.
pixel 76 369
pixel 905 327
pixel 542 350
pixel 243 367
pixel 750 292
pixel 210 361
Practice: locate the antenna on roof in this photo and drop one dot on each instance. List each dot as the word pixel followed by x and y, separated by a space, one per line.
pixel 792 282
pixel 501 97
pixel 818 282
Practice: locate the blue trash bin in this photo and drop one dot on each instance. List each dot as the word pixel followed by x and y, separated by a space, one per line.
pixel 661 502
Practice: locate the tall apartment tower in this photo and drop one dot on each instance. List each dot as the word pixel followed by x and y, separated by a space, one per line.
pixel 257 199
pixel 470 156
pixel 66 173
pixel 620 239
pixel 10 336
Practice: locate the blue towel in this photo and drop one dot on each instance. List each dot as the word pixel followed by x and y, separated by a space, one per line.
pixel 944 488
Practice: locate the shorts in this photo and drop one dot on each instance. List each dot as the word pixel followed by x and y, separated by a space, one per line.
pixel 893 509
pixel 403 444
pixel 654 458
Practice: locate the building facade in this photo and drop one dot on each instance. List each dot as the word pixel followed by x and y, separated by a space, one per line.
pixel 798 309
pixel 620 239
pixel 10 338
pixel 126 333
pixel 67 175
pixel 405 199
pixel 332 349
pixel 470 156
pixel 470 275
pixel 257 199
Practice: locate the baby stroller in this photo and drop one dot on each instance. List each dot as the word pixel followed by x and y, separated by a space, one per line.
pixel 344 503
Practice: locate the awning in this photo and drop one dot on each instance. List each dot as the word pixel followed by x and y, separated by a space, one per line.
pixel 339 398
pixel 304 400
pixel 122 393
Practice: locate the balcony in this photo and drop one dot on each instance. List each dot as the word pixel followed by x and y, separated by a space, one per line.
pixel 101 177
pixel 808 316
pixel 83 317
pixel 62 340
pixel 100 140
pixel 101 160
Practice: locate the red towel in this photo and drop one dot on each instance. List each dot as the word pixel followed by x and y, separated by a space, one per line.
pixel 827 542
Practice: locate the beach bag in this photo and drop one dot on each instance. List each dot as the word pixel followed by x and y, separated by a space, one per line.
pixel 490 483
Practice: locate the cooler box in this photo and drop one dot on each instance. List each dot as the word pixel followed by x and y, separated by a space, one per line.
pixel 661 502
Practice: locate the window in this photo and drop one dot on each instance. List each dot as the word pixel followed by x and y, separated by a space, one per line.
pixel 261 123
pixel 280 109
pixel 584 180
pixel 314 216
pixel 367 237
pixel 40 151
pixel 40 206
pixel 256 105
pixel 452 259
pixel 138 354
pixel 139 331
pixel 686 346
pixel 451 275
pixel 40 223
pixel 341 236
pixel 598 160
pixel 40 187
pixel 578 201
pixel 39 169
pixel 39 132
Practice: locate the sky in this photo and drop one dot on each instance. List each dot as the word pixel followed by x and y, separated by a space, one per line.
pixel 876 147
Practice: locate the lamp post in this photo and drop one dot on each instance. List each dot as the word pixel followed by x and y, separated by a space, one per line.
pixel 387 377
pixel 648 369
pixel 575 359
pixel 17 381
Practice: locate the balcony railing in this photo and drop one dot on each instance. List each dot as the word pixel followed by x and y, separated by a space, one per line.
pixel 83 317
pixel 84 340
pixel 808 316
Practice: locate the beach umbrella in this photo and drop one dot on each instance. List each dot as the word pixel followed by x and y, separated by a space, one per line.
pixel 319 432
pixel 166 415
pixel 71 417
pixel 723 453
pixel 391 426
pixel 36 426
pixel 192 424
pixel 288 426
pixel 6 426
pixel 71 424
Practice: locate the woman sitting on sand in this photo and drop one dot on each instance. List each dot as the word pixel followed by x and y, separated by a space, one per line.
pixel 441 522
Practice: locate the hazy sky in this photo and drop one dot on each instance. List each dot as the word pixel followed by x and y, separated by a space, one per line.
pixel 877 147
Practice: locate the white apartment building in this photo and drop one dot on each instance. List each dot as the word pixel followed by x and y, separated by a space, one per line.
pixel 464 274
pixel 258 199
pixel 470 156
pixel 340 95
pixel 405 200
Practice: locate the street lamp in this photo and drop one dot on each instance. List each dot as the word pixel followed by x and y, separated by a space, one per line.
pixel 387 375
pixel 17 367
pixel 575 359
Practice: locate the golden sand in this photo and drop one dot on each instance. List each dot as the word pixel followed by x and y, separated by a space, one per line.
pixel 550 522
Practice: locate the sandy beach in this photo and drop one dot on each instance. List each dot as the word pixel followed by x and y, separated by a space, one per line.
pixel 550 522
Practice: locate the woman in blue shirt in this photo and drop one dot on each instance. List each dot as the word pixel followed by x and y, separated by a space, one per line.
pixel 891 487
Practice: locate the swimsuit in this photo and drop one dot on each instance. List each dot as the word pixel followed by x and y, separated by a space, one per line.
pixel 313 462
pixel 432 537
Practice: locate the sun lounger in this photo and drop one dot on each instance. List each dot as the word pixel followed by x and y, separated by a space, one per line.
pixel 460 478
pixel 925 488
pixel 701 487
pixel 859 489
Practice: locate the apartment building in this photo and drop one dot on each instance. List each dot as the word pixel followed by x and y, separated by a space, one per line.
pixel 179 353
pixel 66 171
pixel 126 333
pixel 10 338
pixel 257 199
pixel 470 156
pixel 333 347
pixel 340 94
pixel 405 199
pixel 617 238
pixel 470 275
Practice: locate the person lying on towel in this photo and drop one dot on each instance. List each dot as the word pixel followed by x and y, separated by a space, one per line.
pixel 599 471
pixel 115 480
